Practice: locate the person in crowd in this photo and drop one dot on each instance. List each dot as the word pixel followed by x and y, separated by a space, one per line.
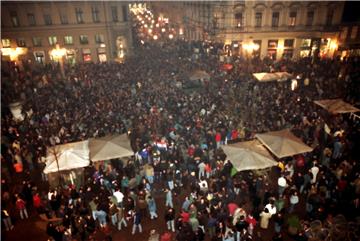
pixel 264 218
pixel 152 207
pixel 170 219
pixel 21 207
pixel 137 222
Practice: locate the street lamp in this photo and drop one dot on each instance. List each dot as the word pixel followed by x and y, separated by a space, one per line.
pixel 58 54
pixel 14 53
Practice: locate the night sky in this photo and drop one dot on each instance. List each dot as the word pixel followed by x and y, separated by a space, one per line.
pixel 351 11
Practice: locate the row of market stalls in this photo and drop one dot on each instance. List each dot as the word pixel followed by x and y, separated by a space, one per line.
pixel 255 154
pixel 69 159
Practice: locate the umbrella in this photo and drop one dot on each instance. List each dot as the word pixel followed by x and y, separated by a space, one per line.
pixel 265 77
pixel 336 106
pixel 199 74
pixel 110 147
pixel 249 155
pixel 227 67
pixel 283 143
pixel 69 156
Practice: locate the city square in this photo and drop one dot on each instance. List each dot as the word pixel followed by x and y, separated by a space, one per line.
pixel 186 121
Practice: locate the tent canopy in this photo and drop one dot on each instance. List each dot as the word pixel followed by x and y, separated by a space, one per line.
pixel 110 147
pixel 265 77
pixel 70 156
pixel 336 106
pixel 199 74
pixel 283 143
pixel 249 155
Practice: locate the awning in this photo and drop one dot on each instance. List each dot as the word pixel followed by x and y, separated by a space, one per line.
pixel 336 106
pixel 249 155
pixel 110 147
pixel 283 143
pixel 69 156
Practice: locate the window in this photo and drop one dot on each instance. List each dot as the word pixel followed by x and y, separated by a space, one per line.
pixel 95 14
pixel 344 33
pixel 125 13
pixel 47 19
pixel 306 43
pixel 99 38
pixel 275 19
pixel 79 15
pixel 310 18
pixel 84 39
pixel 37 41
pixel 292 19
pixel 63 18
pixel 239 21
pixel 258 19
pixel 52 40
pixel 21 42
pixel 31 19
pixel 5 42
pixel 329 17
pixel 14 19
pixel 86 55
pixel 272 43
pixel 354 32
pixel 68 40
pixel 114 14
pixel 289 43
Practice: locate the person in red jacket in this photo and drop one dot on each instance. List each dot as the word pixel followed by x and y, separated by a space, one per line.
pixel 37 201
pixel 20 205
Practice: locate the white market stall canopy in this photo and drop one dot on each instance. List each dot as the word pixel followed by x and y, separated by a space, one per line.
pixel 110 147
pixel 279 76
pixel 283 143
pixel 199 74
pixel 249 155
pixel 69 156
pixel 336 106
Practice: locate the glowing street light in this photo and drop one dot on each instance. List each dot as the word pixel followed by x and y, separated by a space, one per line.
pixel 163 30
pixel 157 25
pixel 155 37
pixel 171 36
pixel 58 54
pixel 150 31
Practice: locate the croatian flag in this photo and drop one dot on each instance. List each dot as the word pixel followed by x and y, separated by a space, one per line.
pixel 161 145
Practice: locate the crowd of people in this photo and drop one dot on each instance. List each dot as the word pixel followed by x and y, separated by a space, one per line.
pixel 176 135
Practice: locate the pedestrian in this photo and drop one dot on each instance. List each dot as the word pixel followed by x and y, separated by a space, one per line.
pixel 21 206
pixel 5 216
pixel 121 218
pixel 113 212
pixel 152 207
pixel 281 184
pixel 169 201
pixel 137 222
pixel 264 218
pixel 170 219
pixel 294 199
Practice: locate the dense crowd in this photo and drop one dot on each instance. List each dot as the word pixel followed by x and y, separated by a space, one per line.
pixel 144 97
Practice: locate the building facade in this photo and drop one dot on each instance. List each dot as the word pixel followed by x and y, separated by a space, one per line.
pixel 88 31
pixel 262 28
pixel 349 39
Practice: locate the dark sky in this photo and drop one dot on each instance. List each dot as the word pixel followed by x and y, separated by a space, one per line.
pixel 351 11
